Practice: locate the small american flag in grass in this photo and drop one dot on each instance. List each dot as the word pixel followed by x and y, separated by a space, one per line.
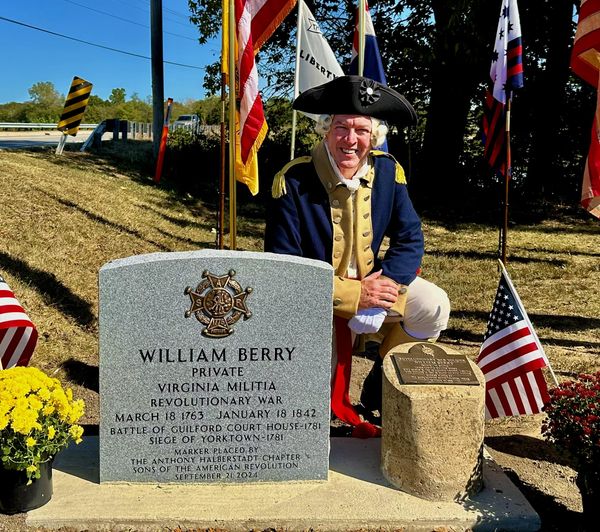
pixel 511 358
pixel 18 334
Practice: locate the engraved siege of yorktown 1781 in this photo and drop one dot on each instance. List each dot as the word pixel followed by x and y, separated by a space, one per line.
pixel 180 406
pixel 218 302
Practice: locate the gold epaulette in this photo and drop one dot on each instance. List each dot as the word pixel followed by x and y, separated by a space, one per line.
pixel 278 188
pixel 400 176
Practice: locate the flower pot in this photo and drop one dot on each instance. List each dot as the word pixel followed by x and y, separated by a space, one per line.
pixel 588 483
pixel 17 496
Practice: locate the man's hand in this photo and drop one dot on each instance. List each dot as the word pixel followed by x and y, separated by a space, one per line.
pixel 376 292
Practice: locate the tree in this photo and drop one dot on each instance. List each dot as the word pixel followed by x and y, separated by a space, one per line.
pixel 438 54
pixel 117 96
pixel 44 93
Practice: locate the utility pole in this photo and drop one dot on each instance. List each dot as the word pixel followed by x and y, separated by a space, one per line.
pixel 158 90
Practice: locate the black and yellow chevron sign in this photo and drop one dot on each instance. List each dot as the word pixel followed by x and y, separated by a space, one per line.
pixel 75 105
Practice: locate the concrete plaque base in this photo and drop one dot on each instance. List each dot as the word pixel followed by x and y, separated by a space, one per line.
pixel 432 435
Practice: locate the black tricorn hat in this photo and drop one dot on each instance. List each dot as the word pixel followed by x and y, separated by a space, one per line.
pixel 356 95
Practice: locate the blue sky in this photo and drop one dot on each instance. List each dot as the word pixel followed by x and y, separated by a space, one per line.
pixel 30 56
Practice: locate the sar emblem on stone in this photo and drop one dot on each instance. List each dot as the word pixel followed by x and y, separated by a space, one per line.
pixel 218 302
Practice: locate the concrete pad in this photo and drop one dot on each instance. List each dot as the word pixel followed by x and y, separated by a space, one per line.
pixel 356 496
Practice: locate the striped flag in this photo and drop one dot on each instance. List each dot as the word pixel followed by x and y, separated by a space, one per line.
pixel 18 335
pixel 506 74
pixel 372 66
pixel 255 20
pixel 585 62
pixel 511 358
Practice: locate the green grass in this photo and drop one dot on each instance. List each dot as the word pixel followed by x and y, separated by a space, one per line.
pixel 64 217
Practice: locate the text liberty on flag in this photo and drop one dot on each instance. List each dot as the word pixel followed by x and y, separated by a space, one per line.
pixel 511 358
pixel 18 335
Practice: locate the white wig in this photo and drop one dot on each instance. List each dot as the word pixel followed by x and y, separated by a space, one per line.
pixel 378 129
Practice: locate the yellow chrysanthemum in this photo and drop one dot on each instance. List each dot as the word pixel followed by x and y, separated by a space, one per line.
pixel 24 422
pixel 36 414
pixel 44 394
pixel 76 411
pixel 34 402
pixel 76 432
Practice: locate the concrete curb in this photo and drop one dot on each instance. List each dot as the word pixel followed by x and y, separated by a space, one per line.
pixel 356 497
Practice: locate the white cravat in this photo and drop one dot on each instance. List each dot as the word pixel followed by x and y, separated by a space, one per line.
pixel 354 182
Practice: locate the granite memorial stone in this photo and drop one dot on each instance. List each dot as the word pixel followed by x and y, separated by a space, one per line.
pixel 214 367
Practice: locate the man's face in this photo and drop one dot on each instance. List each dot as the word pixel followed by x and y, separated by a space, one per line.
pixel 349 142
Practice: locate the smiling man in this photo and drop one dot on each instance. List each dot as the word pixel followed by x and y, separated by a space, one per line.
pixel 337 206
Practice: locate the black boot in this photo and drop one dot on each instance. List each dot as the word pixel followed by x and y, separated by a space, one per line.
pixel 371 394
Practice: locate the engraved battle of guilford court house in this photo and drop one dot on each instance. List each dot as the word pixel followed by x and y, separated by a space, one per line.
pixel 190 392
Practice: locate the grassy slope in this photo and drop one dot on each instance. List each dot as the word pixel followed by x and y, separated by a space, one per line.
pixel 64 217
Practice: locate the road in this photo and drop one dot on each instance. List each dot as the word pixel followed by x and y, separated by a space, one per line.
pixel 33 139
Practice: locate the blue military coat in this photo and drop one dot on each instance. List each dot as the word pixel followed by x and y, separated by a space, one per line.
pixel 318 218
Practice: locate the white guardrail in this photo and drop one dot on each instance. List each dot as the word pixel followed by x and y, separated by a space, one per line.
pixel 26 125
pixel 142 129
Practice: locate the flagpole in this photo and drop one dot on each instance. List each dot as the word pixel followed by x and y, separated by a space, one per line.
pixel 526 318
pixel 361 36
pixel 296 78
pixel 223 148
pixel 507 176
pixel 232 132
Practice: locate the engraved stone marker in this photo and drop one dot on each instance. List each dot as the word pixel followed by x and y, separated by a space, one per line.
pixel 432 434
pixel 430 364
pixel 214 367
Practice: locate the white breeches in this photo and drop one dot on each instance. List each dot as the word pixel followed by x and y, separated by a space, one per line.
pixel 427 310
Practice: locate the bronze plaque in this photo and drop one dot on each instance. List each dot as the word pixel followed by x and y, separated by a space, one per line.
pixel 427 363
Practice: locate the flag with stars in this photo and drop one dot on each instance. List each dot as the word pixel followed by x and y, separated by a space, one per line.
pixel 18 334
pixel 511 358
pixel 506 74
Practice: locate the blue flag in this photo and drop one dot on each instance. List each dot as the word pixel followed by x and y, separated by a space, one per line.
pixel 373 66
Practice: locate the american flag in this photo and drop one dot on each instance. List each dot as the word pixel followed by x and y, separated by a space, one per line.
pixel 511 358
pixel 506 74
pixel 18 335
pixel 585 64
pixel 255 20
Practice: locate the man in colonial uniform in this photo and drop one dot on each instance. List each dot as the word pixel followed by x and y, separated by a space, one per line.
pixel 337 205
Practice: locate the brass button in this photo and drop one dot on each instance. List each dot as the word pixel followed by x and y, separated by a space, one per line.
pixel 337 238
pixel 402 290
pixel 329 186
pixel 337 301
pixel 337 254
pixel 366 215
pixel 366 233
pixel 335 203
pixel 369 262
pixel 337 219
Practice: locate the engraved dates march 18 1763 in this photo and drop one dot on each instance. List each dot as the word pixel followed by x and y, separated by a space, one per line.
pixel 186 400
